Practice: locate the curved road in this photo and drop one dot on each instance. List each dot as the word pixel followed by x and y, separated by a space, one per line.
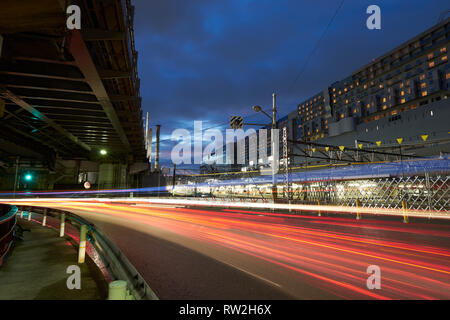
pixel 201 253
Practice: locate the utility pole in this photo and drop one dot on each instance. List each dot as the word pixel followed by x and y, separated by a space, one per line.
pixel 274 126
pixel 158 172
pixel 173 178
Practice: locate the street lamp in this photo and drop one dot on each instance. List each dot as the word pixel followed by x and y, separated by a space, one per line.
pixel 28 177
pixel 103 152
pixel 274 126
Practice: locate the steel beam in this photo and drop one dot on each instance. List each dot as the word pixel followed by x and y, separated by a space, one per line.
pixel 98 34
pixel 84 61
pixel 21 103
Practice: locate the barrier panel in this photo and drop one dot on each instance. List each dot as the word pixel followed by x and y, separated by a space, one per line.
pixel 7 224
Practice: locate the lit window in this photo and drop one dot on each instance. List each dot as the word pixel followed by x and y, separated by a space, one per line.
pixel 346 100
pixel 342 115
pixel 430 56
pixel 402 93
pixel 431 64
pixel 345 89
pixel 423 85
pixel 401 84
pixel 444 58
pixel 381 86
pixel 422 76
pixel 334 89
pixel 384 99
pixel 354 110
pixel 443 49
pixel 402 100
pixel 394 112
pixel 368 106
pixel 340 92
pixel 447 76
pixel 424 93
pixel 365 86
pixel 334 101
pixel 384 107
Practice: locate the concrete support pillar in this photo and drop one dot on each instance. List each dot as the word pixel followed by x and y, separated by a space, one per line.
pixel 82 246
pixel 62 225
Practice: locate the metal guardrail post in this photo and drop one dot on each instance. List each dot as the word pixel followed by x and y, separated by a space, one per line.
pixel 117 290
pixel 29 216
pixel 44 218
pixel 62 225
pixel 82 245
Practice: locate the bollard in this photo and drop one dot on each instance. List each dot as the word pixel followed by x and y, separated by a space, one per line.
pixel 117 290
pixel 29 215
pixel 320 212
pixel 44 219
pixel 358 215
pixel 82 246
pixel 61 227
pixel 405 217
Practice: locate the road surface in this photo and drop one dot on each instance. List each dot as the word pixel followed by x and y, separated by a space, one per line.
pixel 212 253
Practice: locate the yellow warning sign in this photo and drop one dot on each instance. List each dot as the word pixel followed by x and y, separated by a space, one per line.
pixel 327 148
pixel 378 143
pixel 341 148
pixel 360 145
pixel 399 140
pixel 424 137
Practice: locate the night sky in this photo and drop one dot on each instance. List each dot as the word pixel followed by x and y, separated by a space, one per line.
pixel 210 59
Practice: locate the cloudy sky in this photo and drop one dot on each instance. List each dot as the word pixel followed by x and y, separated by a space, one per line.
pixel 210 59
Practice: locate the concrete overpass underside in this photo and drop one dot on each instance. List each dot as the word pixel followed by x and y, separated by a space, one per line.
pixel 67 94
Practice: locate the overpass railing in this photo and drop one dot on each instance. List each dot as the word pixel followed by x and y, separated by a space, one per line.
pixel 113 264
pixel 7 224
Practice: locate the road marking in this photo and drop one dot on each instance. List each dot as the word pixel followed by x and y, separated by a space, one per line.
pixel 253 275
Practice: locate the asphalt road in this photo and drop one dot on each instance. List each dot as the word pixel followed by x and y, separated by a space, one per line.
pixel 199 253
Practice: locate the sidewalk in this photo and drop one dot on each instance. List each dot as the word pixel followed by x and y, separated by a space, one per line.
pixel 36 269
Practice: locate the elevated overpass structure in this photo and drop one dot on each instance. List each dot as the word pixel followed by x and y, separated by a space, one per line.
pixel 67 94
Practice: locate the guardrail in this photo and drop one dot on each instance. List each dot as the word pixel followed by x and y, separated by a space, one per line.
pixel 7 224
pixel 123 275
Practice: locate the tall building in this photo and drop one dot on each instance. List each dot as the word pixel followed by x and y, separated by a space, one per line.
pixel 404 93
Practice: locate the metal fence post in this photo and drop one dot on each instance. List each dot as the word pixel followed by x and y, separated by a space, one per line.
pixel 405 216
pixel 61 227
pixel 320 212
pixel 82 246
pixel 358 214
pixel 44 218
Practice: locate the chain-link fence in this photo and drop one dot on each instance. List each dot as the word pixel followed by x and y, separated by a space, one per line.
pixel 420 192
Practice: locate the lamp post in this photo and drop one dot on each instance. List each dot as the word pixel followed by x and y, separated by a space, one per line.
pixel 274 126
